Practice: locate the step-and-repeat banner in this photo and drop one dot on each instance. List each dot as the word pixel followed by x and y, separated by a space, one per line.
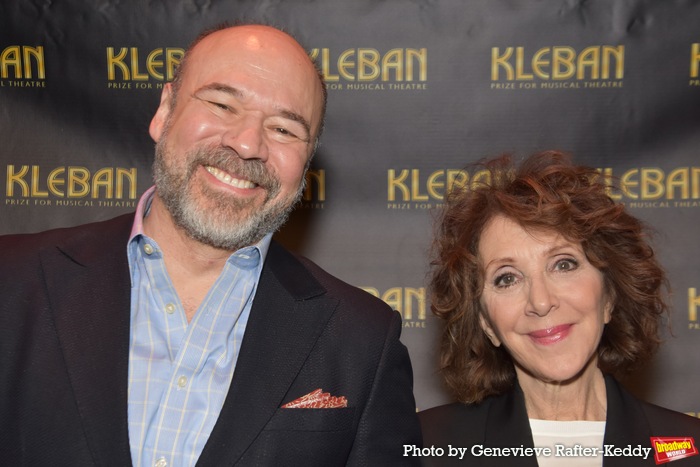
pixel 417 90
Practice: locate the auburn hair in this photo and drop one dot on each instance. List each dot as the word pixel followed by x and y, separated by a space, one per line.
pixel 545 192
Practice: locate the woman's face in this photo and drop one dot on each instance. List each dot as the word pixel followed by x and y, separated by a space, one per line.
pixel 542 299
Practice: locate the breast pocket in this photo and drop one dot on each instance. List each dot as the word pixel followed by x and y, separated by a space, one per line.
pixel 340 419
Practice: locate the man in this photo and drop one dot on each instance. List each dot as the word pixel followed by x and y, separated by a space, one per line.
pixel 119 339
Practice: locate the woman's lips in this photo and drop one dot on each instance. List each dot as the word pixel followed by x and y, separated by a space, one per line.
pixel 550 335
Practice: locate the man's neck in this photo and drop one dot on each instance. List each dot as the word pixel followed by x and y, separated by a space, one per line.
pixel 178 245
pixel 193 266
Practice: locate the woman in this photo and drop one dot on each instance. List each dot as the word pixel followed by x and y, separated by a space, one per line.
pixel 547 288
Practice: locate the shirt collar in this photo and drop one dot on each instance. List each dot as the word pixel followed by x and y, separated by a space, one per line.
pixel 246 257
pixel 141 210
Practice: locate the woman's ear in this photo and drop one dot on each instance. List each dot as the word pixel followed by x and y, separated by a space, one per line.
pixel 489 331
pixel 607 310
pixel 609 305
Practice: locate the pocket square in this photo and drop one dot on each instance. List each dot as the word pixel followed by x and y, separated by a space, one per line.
pixel 317 400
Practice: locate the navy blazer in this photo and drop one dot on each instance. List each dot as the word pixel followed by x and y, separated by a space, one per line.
pixel 64 347
pixel 502 421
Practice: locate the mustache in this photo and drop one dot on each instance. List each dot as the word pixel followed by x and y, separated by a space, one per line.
pixel 229 161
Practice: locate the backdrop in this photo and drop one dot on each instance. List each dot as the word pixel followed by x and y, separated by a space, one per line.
pixel 417 90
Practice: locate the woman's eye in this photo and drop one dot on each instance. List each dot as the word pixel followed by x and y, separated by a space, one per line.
pixel 566 265
pixel 505 280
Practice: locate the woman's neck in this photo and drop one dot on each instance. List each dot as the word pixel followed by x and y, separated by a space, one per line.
pixel 581 398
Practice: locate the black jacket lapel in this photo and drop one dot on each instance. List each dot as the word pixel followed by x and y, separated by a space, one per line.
pixel 89 291
pixel 625 425
pixel 288 315
pixel 507 425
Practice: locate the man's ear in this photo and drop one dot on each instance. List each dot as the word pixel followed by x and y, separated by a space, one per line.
pixel 488 330
pixel 161 116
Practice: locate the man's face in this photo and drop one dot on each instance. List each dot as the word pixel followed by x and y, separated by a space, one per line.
pixel 232 153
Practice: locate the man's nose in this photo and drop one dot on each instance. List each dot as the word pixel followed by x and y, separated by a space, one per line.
pixel 246 136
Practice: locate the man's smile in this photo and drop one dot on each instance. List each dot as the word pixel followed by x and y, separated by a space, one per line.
pixel 228 179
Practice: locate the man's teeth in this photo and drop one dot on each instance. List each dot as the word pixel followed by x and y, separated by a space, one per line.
pixel 227 179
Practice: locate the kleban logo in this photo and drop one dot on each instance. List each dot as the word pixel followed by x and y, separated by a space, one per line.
pixel 671 449
pixel 110 183
pixel 421 189
pixel 642 186
pixel 639 187
pixel 22 66
pixel 695 64
pixel 131 68
pixel 369 69
pixel 597 66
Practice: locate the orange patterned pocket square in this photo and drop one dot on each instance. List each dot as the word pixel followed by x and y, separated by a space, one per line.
pixel 317 400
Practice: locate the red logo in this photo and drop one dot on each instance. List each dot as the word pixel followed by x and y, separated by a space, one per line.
pixel 672 449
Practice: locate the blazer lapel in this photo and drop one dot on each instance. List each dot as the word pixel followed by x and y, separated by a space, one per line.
pixel 507 425
pixel 87 277
pixel 288 315
pixel 626 424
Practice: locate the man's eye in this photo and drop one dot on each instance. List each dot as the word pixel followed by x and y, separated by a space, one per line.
pixel 284 134
pixel 221 106
pixel 284 131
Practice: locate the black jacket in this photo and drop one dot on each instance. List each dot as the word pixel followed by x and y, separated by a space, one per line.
pixel 64 351
pixel 502 421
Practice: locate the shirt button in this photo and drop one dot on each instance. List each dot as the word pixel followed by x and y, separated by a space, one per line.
pixel 149 250
pixel 161 463
pixel 170 308
pixel 182 381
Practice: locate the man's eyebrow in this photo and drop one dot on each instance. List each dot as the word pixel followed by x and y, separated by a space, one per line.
pixel 220 88
pixel 237 93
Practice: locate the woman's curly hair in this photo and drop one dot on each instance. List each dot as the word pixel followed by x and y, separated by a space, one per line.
pixel 546 192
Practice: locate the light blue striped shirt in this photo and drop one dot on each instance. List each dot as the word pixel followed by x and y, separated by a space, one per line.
pixel 180 373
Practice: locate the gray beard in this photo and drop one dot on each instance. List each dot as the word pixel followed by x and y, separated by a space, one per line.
pixel 220 226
